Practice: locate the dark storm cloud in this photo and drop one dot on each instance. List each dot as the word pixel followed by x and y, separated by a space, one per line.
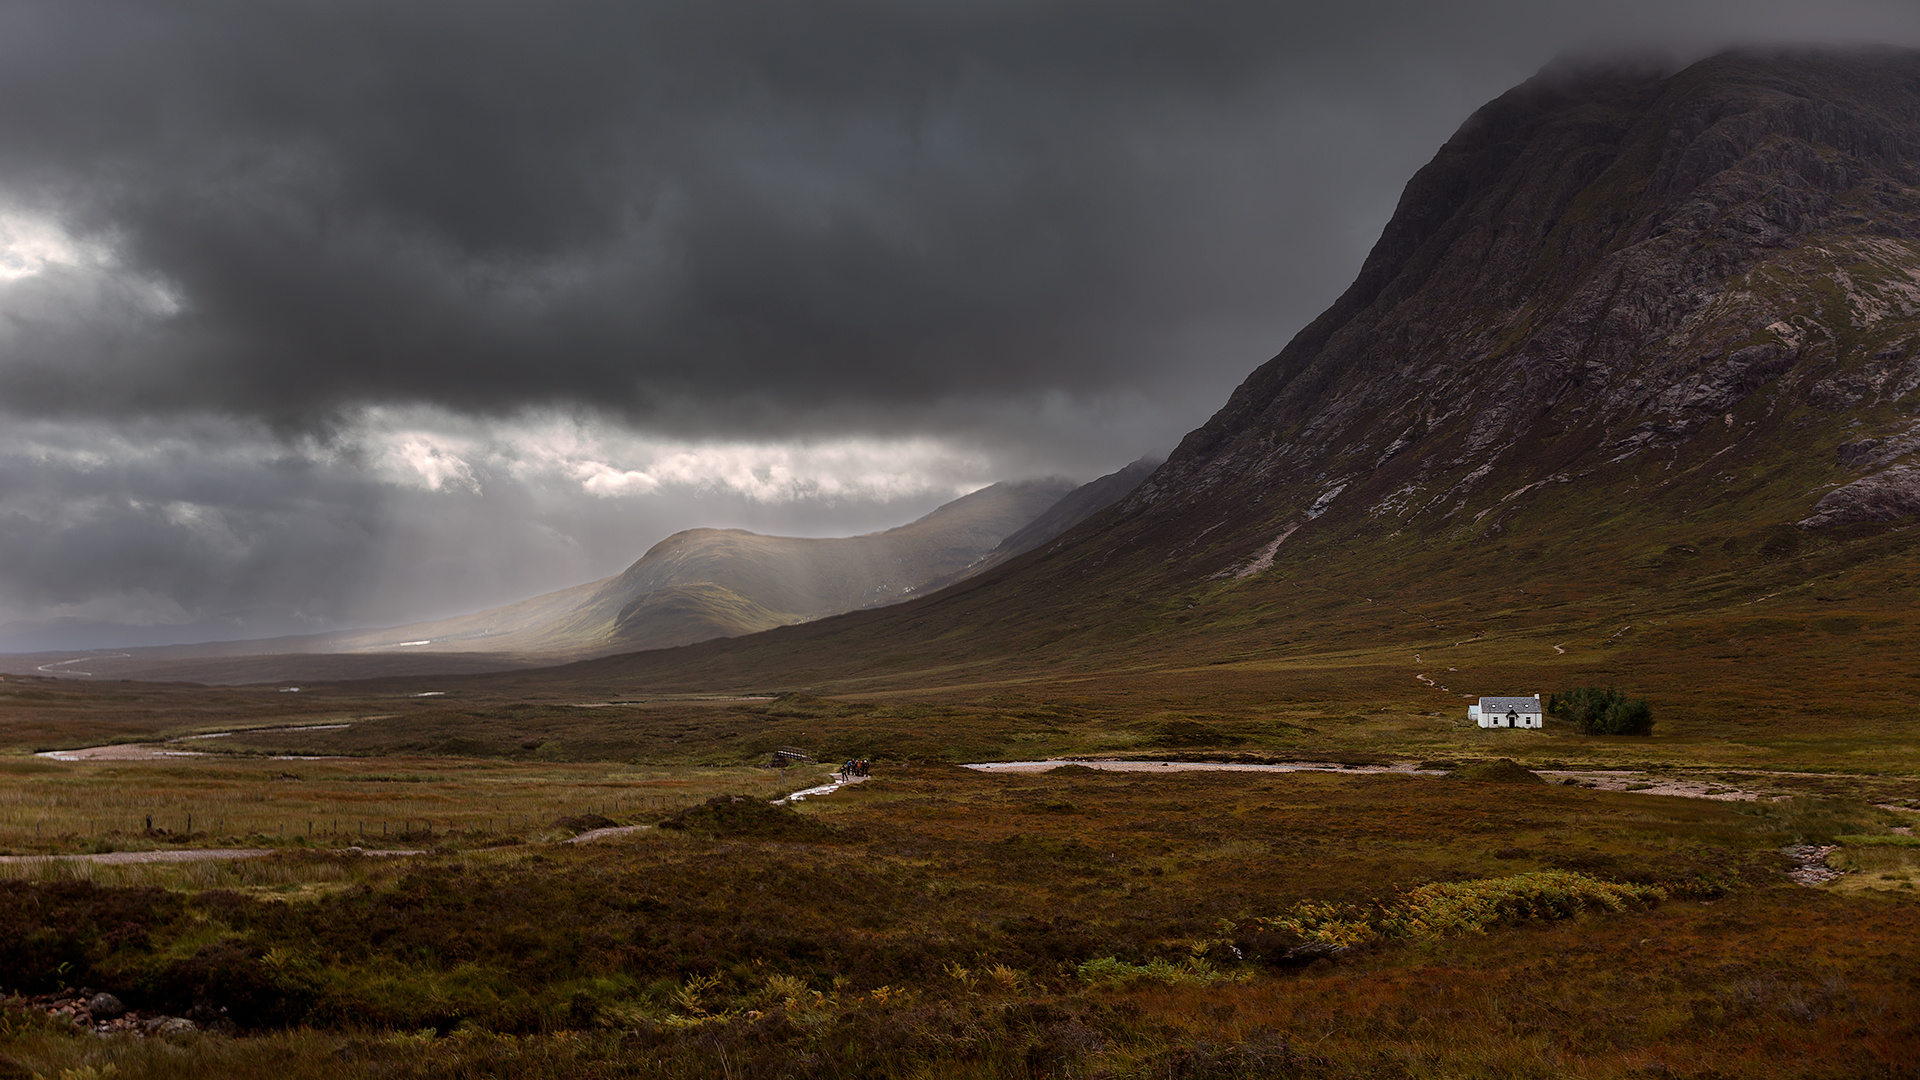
pixel 487 205
pixel 682 211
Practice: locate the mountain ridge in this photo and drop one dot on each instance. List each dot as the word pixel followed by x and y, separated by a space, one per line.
pixel 1619 292
pixel 1626 333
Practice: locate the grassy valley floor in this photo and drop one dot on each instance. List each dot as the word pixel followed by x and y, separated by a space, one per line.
pixel 938 921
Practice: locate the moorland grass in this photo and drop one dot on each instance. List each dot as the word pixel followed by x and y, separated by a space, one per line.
pixel 242 801
pixel 946 922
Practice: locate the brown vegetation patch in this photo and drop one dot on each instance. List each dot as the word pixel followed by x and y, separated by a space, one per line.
pixel 1503 771
pixel 945 928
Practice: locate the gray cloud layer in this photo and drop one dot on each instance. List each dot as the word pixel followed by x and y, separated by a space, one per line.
pixel 1054 233
pixel 759 206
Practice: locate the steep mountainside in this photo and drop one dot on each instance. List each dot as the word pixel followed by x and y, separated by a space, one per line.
pixel 1631 381
pixel 1696 292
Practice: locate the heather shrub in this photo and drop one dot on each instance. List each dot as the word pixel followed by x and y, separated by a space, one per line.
pixel 58 933
pixel 231 981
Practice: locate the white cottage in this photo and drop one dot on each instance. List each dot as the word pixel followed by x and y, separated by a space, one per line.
pixel 1507 712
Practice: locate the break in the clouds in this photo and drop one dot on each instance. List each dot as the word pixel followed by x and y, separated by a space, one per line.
pixel 326 311
pixel 152 532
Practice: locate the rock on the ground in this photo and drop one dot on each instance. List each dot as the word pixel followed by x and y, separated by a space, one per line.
pixel 104 1006
pixel 1810 863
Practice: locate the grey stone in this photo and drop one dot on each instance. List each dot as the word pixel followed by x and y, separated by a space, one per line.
pixel 1884 496
pixel 105 1006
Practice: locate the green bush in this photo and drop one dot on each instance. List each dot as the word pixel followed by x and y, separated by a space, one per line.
pixel 1602 710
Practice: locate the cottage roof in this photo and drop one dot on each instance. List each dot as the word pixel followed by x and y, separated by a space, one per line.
pixel 1509 704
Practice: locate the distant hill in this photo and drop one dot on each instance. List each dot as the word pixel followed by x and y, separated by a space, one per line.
pixel 693 586
pixel 705 583
pixel 1078 505
pixel 1075 507
pixel 708 583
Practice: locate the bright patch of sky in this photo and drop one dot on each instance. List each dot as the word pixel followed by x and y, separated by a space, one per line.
pixel 439 451
pixel 152 533
pixel 28 244
pixel 33 246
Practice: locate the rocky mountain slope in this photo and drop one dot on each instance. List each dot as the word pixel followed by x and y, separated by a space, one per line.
pixel 1633 342
pixel 1700 289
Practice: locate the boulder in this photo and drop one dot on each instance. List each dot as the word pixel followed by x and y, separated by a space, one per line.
pixel 1884 496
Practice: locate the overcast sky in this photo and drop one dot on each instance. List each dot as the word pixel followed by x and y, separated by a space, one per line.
pixel 320 313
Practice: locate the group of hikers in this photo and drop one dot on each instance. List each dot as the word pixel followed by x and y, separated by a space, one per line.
pixel 854 767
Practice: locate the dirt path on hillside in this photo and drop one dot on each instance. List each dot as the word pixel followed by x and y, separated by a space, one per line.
pixel 121 752
pixel 603 834
pixel 827 788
